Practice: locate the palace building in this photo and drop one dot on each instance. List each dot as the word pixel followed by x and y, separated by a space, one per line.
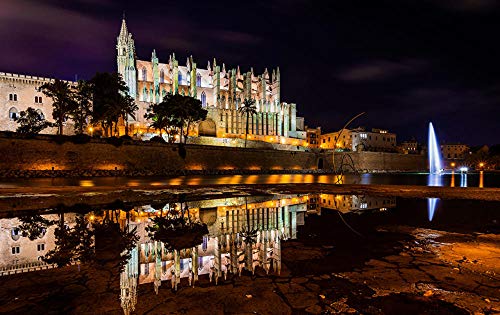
pixel 221 91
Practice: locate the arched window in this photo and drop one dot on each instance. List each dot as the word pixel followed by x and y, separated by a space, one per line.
pixel 145 95
pixel 144 74
pixel 203 99
pixel 198 80
pixel 15 233
pixel 179 78
pixel 40 113
pixel 13 113
pixel 162 76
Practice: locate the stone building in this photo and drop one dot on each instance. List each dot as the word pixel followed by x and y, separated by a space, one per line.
pixel 221 91
pixel 454 151
pixel 20 254
pixel 359 139
pixel 17 93
pixel 409 147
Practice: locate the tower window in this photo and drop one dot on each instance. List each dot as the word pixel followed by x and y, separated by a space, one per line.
pixel 13 97
pixel 198 80
pixel 13 113
pixel 162 76
pixel 179 78
pixel 203 99
pixel 144 74
pixel 42 116
pixel 40 247
pixel 16 250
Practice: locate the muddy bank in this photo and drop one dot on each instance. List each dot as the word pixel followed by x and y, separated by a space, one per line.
pixel 29 198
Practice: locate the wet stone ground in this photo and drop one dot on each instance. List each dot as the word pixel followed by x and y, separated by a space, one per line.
pixel 398 270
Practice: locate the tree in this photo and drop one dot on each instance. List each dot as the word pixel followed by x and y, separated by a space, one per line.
pixel 162 120
pixel 178 111
pixel 83 109
pixel 128 106
pixel 63 101
pixel 110 101
pixel 248 108
pixel 31 122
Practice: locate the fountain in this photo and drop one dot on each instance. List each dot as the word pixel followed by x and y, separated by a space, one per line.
pixel 435 163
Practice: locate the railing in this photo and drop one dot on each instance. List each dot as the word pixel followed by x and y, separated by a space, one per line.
pixel 26 267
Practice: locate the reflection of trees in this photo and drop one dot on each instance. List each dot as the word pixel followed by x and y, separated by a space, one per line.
pixel 85 241
pixel 175 228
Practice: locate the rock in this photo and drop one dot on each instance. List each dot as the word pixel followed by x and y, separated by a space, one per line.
pixel 428 293
pixel 314 309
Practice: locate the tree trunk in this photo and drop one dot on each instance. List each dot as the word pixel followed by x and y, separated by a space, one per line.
pixel 187 131
pixel 182 133
pixel 246 131
pixel 126 125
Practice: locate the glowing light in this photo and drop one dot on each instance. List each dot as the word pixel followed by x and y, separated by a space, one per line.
pixel 431 207
pixel 481 164
pixel 464 169
pixel 91 218
pixel 453 164
pixel 435 164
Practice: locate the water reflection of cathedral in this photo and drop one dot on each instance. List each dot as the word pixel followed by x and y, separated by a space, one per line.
pixel 224 250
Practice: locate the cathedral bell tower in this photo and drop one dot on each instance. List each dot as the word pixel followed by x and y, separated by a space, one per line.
pixel 126 59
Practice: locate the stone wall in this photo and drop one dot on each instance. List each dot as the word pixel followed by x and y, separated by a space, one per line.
pixel 381 161
pixel 44 154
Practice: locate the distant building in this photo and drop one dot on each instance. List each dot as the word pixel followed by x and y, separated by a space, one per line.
pixel 454 151
pixel 17 93
pixel 358 139
pixel 409 147
pixel 348 203
pixel 313 136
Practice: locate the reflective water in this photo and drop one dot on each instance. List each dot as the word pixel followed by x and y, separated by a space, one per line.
pixel 482 179
pixel 244 235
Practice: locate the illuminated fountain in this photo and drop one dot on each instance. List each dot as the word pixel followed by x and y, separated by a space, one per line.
pixel 435 162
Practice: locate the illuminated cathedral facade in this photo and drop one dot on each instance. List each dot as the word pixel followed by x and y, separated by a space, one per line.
pixel 221 91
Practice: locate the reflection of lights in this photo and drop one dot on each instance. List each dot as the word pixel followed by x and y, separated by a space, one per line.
pixel 431 207
pixel 86 183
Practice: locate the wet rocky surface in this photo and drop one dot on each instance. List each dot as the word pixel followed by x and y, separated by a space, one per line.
pixel 366 268
pixel 33 198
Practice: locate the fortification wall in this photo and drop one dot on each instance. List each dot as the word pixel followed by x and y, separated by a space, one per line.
pixel 98 158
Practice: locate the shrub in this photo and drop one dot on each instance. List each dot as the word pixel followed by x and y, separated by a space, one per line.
pixel 80 139
pixel 115 141
pixel 157 139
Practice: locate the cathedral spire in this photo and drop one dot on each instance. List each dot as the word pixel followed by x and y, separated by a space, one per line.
pixel 124 29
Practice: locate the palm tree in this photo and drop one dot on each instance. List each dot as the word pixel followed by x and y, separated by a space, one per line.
pixel 63 101
pixel 248 108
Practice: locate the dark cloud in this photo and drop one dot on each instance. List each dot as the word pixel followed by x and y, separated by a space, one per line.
pixel 380 70
pixel 468 5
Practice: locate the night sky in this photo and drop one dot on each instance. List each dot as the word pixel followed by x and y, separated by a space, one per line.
pixel 404 62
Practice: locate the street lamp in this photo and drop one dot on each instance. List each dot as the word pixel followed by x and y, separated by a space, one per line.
pixel 91 129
